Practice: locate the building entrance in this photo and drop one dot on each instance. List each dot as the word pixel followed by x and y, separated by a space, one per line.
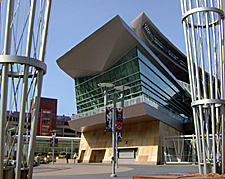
pixel 81 156
pixel 97 156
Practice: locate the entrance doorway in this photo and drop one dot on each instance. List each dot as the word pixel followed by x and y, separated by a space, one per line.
pixel 81 156
pixel 97 156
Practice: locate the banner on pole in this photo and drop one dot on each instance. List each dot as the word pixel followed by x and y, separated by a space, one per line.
pixel 119 119
pixel 109 116
pixel 119 126
pixel 119 136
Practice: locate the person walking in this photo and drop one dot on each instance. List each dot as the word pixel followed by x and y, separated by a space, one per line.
pixel 74 157
pixel 67 157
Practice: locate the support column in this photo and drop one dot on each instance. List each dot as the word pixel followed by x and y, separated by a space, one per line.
pixel 203 29
pixel 24 93
pixel 4 84
pixel 38 93
pixel 34 122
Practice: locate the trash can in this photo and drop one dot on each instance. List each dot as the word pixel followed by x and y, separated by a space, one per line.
pixel 8 173
pixel 24 173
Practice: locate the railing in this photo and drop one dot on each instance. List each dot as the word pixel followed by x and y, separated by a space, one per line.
pixel 186 86
pixel 130 102
pixel 183 149
pixel 179 150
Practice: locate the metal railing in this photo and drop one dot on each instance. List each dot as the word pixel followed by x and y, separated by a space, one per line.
pixel 179 149
pixel 130 102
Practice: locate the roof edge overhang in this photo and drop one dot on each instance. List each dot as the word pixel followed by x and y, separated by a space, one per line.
pixel 144 18
pixel 136 26
pixel 94 54
pixel 98 52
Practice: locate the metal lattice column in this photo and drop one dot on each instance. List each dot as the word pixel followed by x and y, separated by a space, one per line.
pixel 23 33
pixel 203 24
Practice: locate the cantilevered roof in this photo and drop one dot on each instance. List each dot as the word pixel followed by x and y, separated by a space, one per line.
pixel 177 66
pixel 98 52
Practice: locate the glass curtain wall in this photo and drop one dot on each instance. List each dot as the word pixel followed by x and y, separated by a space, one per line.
pixel 137 70
pixel 157 87
pixel 43 146
pixel 89 95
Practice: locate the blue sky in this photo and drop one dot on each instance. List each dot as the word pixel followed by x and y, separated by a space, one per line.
pixel 74 20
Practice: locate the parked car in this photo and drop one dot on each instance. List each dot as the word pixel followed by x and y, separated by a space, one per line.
pixel 48 158
pixel 62 154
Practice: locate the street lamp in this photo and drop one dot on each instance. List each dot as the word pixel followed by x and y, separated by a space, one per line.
pixel 53 144
pixel 114 99
pixel 120 88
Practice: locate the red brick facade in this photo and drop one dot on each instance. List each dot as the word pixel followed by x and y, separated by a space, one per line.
pixel 51 105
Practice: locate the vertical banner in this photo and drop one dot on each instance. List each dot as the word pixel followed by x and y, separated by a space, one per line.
pixel 119 119
pixel 119 136
pixel 108 121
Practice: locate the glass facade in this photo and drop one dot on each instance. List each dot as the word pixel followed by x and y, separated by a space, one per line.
pixel 43 146
pixel 138 71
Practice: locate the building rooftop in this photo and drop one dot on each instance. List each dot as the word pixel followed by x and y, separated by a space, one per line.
pixel 169 54
pixel 98 52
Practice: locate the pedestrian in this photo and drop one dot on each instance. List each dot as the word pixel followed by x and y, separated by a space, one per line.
pixel 67 157
pixel 75 157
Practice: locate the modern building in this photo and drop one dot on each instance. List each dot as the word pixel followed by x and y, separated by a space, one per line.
pixel 157 103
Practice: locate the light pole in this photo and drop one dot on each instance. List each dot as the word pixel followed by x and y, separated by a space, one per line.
pixel 115 100
pixel 120 88
pixel 53 144
pixel 117 153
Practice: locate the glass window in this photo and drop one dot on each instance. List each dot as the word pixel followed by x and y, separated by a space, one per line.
pixel 124 71
pixel 45 128
pixel 121 73
pixel 45 134
pixel 59 130
pixel 46 121
pixel 133 52
pixel 59 122
pixel 46 114
pixel 138 71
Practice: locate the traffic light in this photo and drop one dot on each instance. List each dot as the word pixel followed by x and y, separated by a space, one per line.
pixel 56 142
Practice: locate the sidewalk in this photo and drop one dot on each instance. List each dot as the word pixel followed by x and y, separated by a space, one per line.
pixel 102 171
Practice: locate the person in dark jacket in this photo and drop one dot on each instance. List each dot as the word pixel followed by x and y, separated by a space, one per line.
pixel 67 157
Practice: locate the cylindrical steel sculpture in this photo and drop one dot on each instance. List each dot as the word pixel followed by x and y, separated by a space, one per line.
pixel 203 24
pixel 23 33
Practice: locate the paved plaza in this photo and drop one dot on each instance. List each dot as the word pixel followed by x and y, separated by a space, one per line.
pixel 102 171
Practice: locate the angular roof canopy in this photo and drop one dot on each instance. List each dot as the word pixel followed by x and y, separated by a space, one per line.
pixel 98 52
pixel 176 66
pixel 102 49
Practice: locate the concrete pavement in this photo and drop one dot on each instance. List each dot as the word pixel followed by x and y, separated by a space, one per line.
pixel 102 171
